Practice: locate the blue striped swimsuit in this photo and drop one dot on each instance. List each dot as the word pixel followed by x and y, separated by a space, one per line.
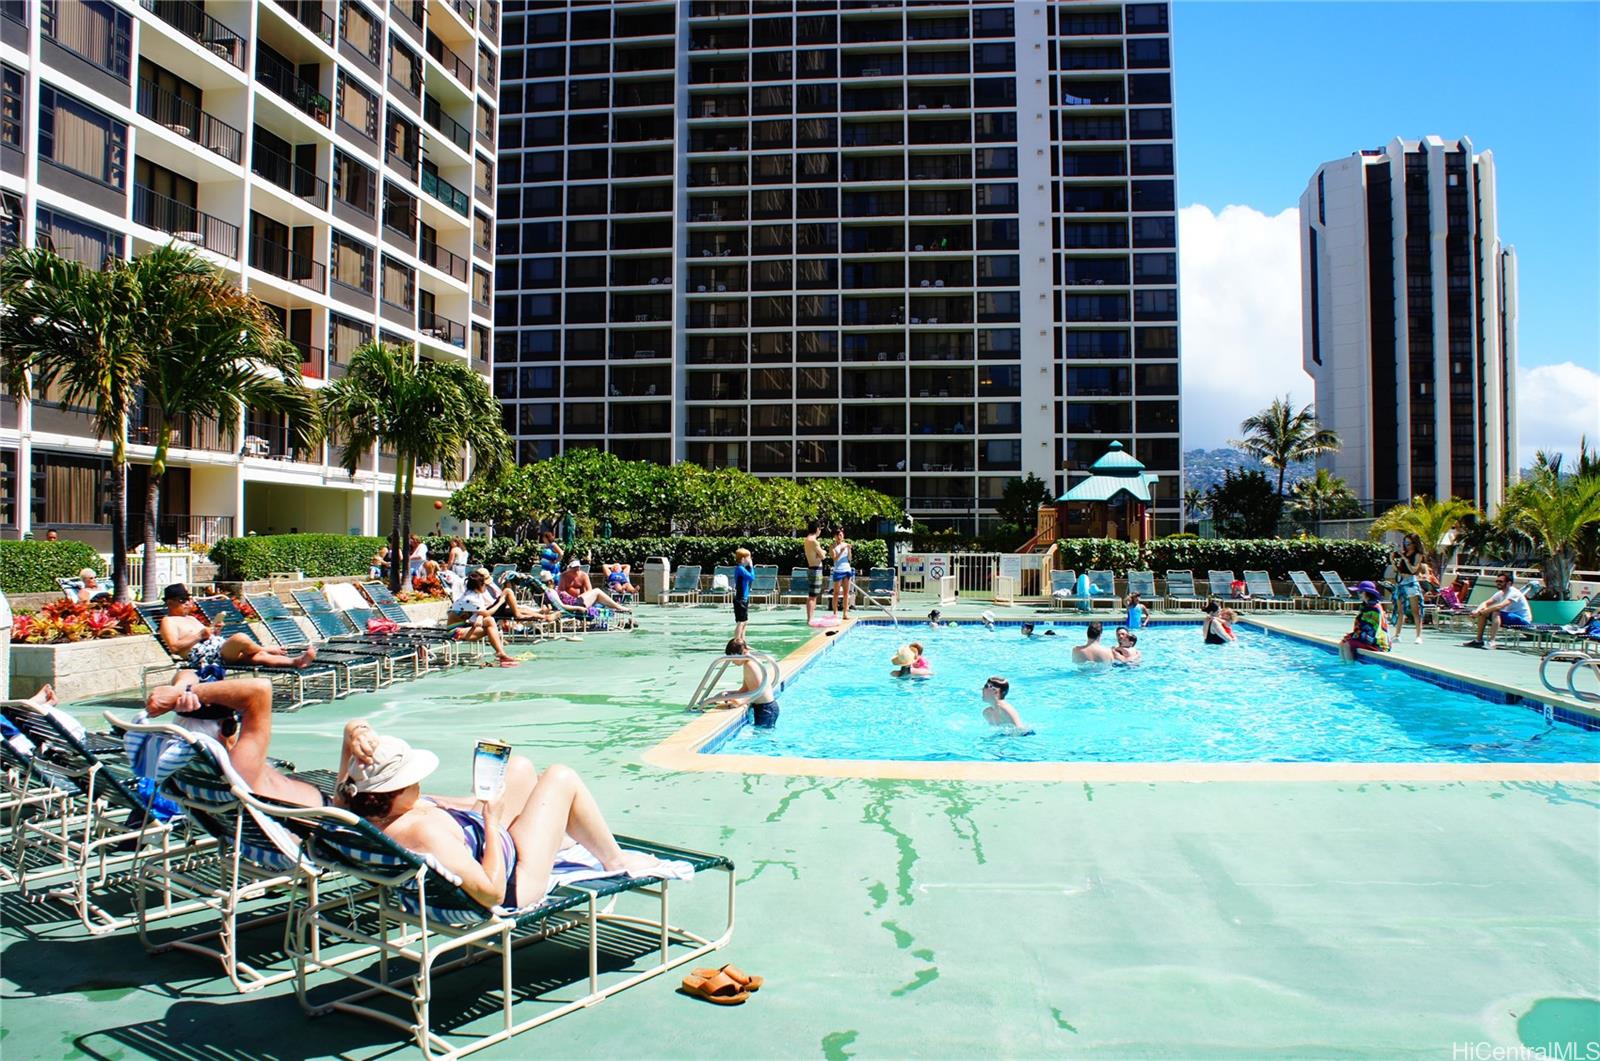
pixel 472 831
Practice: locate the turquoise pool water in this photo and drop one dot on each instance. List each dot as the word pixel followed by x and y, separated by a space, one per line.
pixel 1266 698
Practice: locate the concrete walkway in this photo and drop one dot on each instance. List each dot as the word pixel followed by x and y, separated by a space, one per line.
pixel 950 919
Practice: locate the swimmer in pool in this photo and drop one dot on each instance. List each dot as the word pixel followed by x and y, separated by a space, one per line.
pixel 910 662
pixel 1027 629
pixel 1092 651
pixel 933 617
pixel 987 618
pixel 997 711
pixel 1126 652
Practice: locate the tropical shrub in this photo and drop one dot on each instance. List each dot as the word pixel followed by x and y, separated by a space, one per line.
pixel 707 552
pixel 1097 554
pixel 314 555
pixel 64 621
pixel 1277 556
pixel 34 566
pixel 1244 505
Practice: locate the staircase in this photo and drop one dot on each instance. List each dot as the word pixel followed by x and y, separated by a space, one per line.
pixel 1044 535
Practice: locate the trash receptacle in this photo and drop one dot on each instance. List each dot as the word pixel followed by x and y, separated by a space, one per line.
pixel 657 576
pixel 5 647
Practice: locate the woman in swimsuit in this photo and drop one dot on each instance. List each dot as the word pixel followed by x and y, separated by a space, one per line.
pixel 502 850
pixel 843 573
pixel 1215 628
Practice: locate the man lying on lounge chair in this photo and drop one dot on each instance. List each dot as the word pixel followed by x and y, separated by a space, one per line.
pixel 187 634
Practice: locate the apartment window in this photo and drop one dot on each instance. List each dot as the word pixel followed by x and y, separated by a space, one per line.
pixel 360 30
pixel 399 283
pixel 74 491
pixel 405 69
pixel 1145 54
pixel 993 22
pixel 1155 232
pixel 399 209
pixel 352 262
pixel 345 336
pixel 76 239
pixel 11 106
pixel 480 287
pixel 92 29
pixel 354 184
pixel 402 139
pixel 358 108
pixel 989 57
pixel 1158 305
pixel 78 137
pixel 1147 18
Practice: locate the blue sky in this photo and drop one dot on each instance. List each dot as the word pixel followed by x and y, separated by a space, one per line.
pixel 1268 91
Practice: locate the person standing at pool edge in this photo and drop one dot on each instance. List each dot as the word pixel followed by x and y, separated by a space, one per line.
pixel 815 555
pixel 843 575
pixel 744 576
pixel 1137 612
pixel 1408 565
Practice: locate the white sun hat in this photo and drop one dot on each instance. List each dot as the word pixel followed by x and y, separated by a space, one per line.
pixel 395 765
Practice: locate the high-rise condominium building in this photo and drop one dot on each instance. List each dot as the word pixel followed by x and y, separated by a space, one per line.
pixel 928 246
pixel 1410 321
pixel 335 156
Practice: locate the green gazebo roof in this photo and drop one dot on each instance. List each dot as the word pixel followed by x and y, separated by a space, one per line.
pixel 1118 471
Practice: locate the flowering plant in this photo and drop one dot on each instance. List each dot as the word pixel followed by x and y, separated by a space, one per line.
pixel 64 621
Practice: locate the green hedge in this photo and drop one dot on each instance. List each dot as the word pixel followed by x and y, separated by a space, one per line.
pixel 1355 560
pixel 33 566
pixel 1096 554
pixel 314 555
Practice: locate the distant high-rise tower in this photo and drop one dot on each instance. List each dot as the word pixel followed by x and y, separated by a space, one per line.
pixel 1410 321
pixel 929 246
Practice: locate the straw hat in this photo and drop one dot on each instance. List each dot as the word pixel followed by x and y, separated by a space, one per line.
pixel 903 656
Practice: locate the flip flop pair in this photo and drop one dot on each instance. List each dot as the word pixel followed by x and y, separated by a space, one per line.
pixel 727 986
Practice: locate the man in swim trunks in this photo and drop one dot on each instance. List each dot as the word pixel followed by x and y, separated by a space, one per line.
pixel 1092 651
pixel 763 709
pixel 816 554
pixel 185 631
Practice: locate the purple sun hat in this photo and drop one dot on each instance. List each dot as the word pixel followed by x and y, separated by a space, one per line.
pixel 1369 589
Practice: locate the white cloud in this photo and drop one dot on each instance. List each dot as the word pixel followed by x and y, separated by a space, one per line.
pixel 1239 272
pixel 1556 406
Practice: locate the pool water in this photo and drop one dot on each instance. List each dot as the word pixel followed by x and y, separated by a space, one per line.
pixel 1266 698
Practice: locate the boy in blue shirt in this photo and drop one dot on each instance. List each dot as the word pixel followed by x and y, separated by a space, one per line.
pixel 1137 612
pixel 744 576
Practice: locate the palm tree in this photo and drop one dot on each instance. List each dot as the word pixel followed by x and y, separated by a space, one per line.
pixel 1279 435
pixel 1193 504
pixel 1323 496
pixel 70 333
pixel 1434 522
pixel 211 352
pixel 1554 511
pixel 424 411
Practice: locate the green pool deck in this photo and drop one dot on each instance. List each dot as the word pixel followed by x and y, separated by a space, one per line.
pixel 951 919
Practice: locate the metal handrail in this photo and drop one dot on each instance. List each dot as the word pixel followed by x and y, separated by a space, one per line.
pixel 283 172
pixel 1577 660
pixel 453 64
pixel 442 329
pixel 309 13
pixel 189 121
pixel 443 260
pixel 434 115
pixel 284 263
pixel 190 19
pixel 154 210
pixel 765 663
pixel 446 193
pixel 282 79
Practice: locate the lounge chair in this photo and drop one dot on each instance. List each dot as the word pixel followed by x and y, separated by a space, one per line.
pixel 292 687
pixel 360 666
pixel 347 674
pixel 1550 621
pixel 1102 589
pixel 1339 595
pixel 799 586
pixel 263 860
pixel 1181 591
pixel 685 585
pixel 1306 590
pixel 765 586
pixel 433 926
pixel 1144 584
pixel 103 832
pixel 1063 589
pixel 724 594
pixel 69 587
pixel 1259 583
pixel 1220 585
pixel 879 589
pixel 338 627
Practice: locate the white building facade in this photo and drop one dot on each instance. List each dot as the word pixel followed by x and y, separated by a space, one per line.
pixel 336 157
pixel 1409 321
pixel 928 246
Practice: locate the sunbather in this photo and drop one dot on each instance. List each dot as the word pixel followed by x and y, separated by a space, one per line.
pixel 503 850
pixel 1508 607
pixel 764 708
pixel 619 578
pixel 186 632
pixel 479 610
pixel 89 586
pixel 575 591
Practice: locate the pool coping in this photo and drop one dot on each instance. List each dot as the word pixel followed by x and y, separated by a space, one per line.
pixel 683 750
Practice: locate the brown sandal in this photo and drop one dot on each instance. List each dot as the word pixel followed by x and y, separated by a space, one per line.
pixel 717 988
pixel 745 981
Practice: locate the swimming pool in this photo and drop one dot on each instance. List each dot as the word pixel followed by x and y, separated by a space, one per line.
pixel 1267 698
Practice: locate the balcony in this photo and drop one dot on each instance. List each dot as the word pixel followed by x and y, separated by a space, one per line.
pixel 282 79
pixel 310 359
pixel 442 329
pixel 185 530
pixel 446 193
pixel 309 13
pixel 180 219
pixel 453 64
pixel 451 129
pixel 443 260
pixel 189 121
pixel 280 170
pixel 277 260
pixel 189 19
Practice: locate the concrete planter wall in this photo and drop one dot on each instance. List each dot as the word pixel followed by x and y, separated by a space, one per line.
pixel 83 669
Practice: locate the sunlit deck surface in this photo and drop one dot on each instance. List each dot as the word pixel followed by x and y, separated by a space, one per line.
pixel 950 918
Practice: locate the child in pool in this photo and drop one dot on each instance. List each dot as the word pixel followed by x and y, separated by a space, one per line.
pixel 997 711
pixel 1137 612
pixel 910 662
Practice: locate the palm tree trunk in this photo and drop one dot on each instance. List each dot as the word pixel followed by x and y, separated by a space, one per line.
pixel 1283 469
pixel 405 473
pixel 119 510
pixel 152 501
pixel 397 558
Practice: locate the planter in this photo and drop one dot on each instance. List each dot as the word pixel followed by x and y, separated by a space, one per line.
pixel 83 669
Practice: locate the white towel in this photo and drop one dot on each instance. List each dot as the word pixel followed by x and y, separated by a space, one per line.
pixel 576 863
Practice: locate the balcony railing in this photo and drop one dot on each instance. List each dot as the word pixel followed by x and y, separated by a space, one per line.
pixel 282 79
pixel 310 14
pixel 310 359
pixel 468 9
pixel 280 261
pixel 182 529
pixel 296 180
pixel 157 211
pixel 442 329
pixel 189 121
pixel 453 64
pixel 189 19
pixel 443 260
pixel 453 130
pixel 446 193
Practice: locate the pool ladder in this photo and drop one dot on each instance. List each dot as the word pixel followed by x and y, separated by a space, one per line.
pixel 705 692
pixel 1578 661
